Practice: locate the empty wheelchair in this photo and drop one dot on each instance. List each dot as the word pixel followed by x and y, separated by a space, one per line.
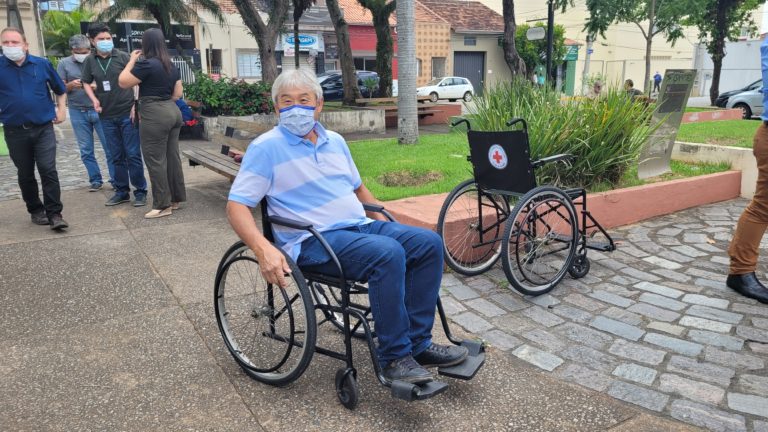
pixel 272 332
pixel 539 232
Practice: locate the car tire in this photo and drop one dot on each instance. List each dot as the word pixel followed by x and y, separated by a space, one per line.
pixel 467 97
pixel 746 111
pixel 433 97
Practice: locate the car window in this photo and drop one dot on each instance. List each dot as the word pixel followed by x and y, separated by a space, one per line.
pixel 464 81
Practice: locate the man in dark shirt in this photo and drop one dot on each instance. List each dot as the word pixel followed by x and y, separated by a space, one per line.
pixel 27 113
pixel 115 108
pixel 85 120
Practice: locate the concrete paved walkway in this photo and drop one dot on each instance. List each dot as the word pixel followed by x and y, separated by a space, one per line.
pixel 110 326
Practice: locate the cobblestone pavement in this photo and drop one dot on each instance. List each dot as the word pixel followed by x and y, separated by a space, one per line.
pixel 72 173
pixel 652 324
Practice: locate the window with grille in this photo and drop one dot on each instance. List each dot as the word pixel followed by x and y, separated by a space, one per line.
pixel 248 64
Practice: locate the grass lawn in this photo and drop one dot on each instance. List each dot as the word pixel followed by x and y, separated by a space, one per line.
pixel 700 109
pixel 737 133
pixel 3 147
pixel 441 160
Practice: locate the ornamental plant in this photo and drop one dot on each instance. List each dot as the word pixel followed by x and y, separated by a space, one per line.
pixel 229 96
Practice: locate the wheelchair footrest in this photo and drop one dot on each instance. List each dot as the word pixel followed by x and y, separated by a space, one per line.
pixel 467 369
pixel 411 392
pixel 601 246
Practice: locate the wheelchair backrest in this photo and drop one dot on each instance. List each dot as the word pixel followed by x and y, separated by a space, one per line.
pixel 266 226
pixel 502 160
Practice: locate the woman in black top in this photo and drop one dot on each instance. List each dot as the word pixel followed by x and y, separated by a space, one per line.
pixel 159 87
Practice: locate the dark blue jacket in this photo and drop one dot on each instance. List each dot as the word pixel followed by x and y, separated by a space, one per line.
pixel 25 91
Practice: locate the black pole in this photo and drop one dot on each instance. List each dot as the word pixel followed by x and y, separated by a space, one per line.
pixel 550 37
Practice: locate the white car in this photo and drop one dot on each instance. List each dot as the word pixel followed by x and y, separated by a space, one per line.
pixel 451 88
pixel 749 102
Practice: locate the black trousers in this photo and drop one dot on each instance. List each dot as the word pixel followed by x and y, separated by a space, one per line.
pixel 35 146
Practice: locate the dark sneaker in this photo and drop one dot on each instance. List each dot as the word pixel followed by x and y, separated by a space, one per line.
pixel 57 223
pixel 95 187
pixel 40 218
pixel 140 201
pixel 442 355
pixel 117 199
pixel 406 369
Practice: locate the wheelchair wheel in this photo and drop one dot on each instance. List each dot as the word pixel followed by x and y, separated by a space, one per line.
pixel 346 388
pixel 580 267
pixel 270 331
pixel 472 245
pixel 328 295
pixel 540 240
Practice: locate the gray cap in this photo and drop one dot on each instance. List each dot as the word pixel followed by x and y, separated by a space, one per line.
pixel 79 41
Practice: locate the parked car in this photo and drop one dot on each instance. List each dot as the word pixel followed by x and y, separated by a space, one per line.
pixel 722 98
pixel 450 88
pixel 749 102
pixel 333 88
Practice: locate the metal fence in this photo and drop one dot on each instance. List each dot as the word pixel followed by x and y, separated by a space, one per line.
pixel 187 74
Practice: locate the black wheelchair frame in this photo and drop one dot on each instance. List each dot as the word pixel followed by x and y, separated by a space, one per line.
pixel 540 223
pixel 335 306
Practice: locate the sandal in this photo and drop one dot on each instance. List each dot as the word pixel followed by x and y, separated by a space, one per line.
pixel 175 205
pixel 157 213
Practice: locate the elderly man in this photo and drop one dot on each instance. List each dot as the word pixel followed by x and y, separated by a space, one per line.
pixel 85 120
pixel 27 113
pixel 307 174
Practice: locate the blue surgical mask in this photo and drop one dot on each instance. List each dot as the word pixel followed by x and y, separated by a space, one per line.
pixel 105 46
pixel 298 119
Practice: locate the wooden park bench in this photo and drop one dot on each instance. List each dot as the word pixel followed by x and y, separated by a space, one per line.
pixel 235 139
pixel 386 100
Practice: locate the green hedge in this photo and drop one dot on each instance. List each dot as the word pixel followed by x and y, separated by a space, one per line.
pixel 605 134
pixel 229 96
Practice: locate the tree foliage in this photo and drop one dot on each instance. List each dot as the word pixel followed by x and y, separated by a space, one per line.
pixel 534 52
pixel 59 26
pixel 381 10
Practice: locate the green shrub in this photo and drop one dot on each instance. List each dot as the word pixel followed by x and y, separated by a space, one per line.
pixel 605 134
pixel 229 96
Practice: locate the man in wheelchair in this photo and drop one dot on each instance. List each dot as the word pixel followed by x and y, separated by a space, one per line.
pixel 307 174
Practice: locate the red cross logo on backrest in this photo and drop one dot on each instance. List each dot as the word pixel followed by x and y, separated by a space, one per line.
pixel 497 157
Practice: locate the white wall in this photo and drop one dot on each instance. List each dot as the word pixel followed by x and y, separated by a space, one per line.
pixel 741 66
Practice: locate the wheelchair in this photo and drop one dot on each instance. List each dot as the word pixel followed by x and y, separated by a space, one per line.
pixel 271 332
pixel 539 232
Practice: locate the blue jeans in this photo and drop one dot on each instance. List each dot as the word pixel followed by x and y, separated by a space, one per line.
pixel 403 266
pixel 84 123
pixel 123 139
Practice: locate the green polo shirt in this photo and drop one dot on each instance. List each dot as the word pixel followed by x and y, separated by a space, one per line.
pixel 115 101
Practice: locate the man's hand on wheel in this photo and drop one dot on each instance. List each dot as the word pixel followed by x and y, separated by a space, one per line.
pixel 273 265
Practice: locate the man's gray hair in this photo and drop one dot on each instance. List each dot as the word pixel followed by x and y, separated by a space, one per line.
pixel 79 41
pixel 296 78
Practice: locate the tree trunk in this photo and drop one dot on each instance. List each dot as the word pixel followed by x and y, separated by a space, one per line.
pixel 348 77
pixel 265 34
pixel 296 43
pixel 407 120
pixel 719 33
pixel 384 51
pixel 648 44
pixel 516 65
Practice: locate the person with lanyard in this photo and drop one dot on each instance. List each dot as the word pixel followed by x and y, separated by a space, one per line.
pixel 27 114
pixel 115 106
pixel 745 245
pixel 85 120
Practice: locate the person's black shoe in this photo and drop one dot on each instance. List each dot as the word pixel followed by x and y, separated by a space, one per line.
pixel 442 355
pixel 40 218
pixel 749 286
pixel 57 223
pixel 406 369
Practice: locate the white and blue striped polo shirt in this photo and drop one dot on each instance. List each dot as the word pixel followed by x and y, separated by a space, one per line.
pixel 302 181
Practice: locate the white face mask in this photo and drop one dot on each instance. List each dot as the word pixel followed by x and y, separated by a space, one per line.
pixel 14 53
pixel 80 57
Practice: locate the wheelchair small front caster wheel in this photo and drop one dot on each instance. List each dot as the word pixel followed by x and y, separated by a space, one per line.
pixel 347 389
pixel 580 267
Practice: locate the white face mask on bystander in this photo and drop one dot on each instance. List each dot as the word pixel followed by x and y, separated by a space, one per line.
pixel 80 57
pixel 14 53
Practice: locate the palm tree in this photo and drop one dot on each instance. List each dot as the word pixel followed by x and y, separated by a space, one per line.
pixel 381 11
pixel 265 33
pixel 162 11
pixel 348 76
pixel 407 121
pixel 59 26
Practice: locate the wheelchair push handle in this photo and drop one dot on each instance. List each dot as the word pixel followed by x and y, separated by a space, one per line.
pixel 460 121
pixel 514 121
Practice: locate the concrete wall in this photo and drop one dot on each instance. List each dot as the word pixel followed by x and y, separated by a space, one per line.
pixel 433 40
pixel 229 39
pixel 741 66
pixel 740 159
pixel 496 69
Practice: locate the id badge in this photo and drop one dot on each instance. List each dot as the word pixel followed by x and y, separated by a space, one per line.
pixel 105 85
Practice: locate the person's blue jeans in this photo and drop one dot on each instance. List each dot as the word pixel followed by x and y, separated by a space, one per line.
pixel 84 123
pixel 403 266
pixel 123 139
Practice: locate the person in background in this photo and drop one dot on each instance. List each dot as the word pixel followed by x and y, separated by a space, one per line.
pixel 597 89
pixel 116 112
pixel 657 82
pixel 85 120
pixel 745 245
pixel 159 84
pixel 629 87
pixel 28 115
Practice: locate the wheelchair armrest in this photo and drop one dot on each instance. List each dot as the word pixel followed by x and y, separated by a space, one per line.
pixel 376 208
pixel 290 223
pixel 556 158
